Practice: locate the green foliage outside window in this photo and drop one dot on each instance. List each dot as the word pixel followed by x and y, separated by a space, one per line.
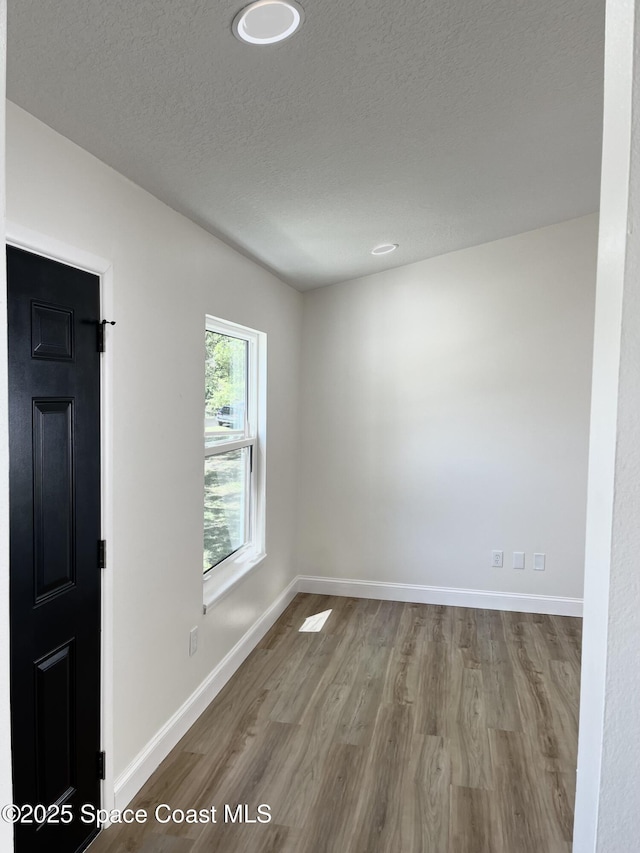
pixel 223 506
pixel 225 372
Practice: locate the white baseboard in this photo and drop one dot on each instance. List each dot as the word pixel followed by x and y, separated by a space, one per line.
pixel 418 594
pixel 136 774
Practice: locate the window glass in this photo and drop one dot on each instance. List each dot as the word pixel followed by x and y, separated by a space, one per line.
pixel 226 496
pixel 225 388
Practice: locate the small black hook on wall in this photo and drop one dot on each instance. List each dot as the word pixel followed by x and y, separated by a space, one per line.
pixel 101 326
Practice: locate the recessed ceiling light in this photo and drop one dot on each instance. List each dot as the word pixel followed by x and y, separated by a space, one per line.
pixel 267 21
pixel 384 248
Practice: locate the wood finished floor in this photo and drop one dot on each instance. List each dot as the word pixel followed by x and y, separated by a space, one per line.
pixel 398 728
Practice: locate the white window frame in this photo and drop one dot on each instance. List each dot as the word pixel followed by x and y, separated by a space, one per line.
pixel 220 580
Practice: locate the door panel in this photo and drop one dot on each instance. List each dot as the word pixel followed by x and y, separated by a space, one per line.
pixel 55 699
pixel 51 332
pixel 53 497
pixel 54 444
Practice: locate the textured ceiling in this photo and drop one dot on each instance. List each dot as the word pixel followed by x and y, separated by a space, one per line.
pixel 436 125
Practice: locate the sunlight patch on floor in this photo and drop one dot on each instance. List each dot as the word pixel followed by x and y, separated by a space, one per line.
pixel 315 622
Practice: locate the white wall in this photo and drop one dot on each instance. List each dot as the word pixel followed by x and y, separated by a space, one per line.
pixel 608 790
pixel 6 831
pixel 167 274
pixel 445 413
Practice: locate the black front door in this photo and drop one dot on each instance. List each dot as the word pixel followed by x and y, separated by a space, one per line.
pixel 54 447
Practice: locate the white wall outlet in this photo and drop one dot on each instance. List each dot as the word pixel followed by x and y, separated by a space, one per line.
pixel 518 559
pixel 193 641
pixel 539 562
pixel 496 559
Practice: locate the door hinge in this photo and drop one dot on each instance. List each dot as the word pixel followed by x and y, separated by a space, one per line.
pixel 102 762
pixel 101 325
pixel 102 554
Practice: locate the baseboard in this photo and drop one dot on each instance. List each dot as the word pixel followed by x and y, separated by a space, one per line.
pixel 418 594
pixel 136 774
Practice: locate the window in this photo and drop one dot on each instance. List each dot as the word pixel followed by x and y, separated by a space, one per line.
pixel 233 451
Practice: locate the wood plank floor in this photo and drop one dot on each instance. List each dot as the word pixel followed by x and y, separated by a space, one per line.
pixel 397 728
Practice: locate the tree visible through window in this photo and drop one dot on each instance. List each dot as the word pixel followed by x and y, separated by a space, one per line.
pixel 225 381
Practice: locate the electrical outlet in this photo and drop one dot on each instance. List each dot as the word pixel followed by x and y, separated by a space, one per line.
pixel 193 641
pixel 539 562
pixel 518 559
pixel 497 559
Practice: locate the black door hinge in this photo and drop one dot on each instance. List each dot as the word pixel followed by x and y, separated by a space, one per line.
pixel 102 554
pixel 101 325
pixel 102 761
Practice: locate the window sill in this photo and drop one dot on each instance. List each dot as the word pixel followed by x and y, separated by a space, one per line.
pixel 225 577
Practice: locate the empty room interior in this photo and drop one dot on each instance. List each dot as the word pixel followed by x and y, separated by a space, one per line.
pixel 319 452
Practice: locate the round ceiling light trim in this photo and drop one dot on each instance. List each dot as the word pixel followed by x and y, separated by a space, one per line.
pixel 268 21
pixel 384 248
